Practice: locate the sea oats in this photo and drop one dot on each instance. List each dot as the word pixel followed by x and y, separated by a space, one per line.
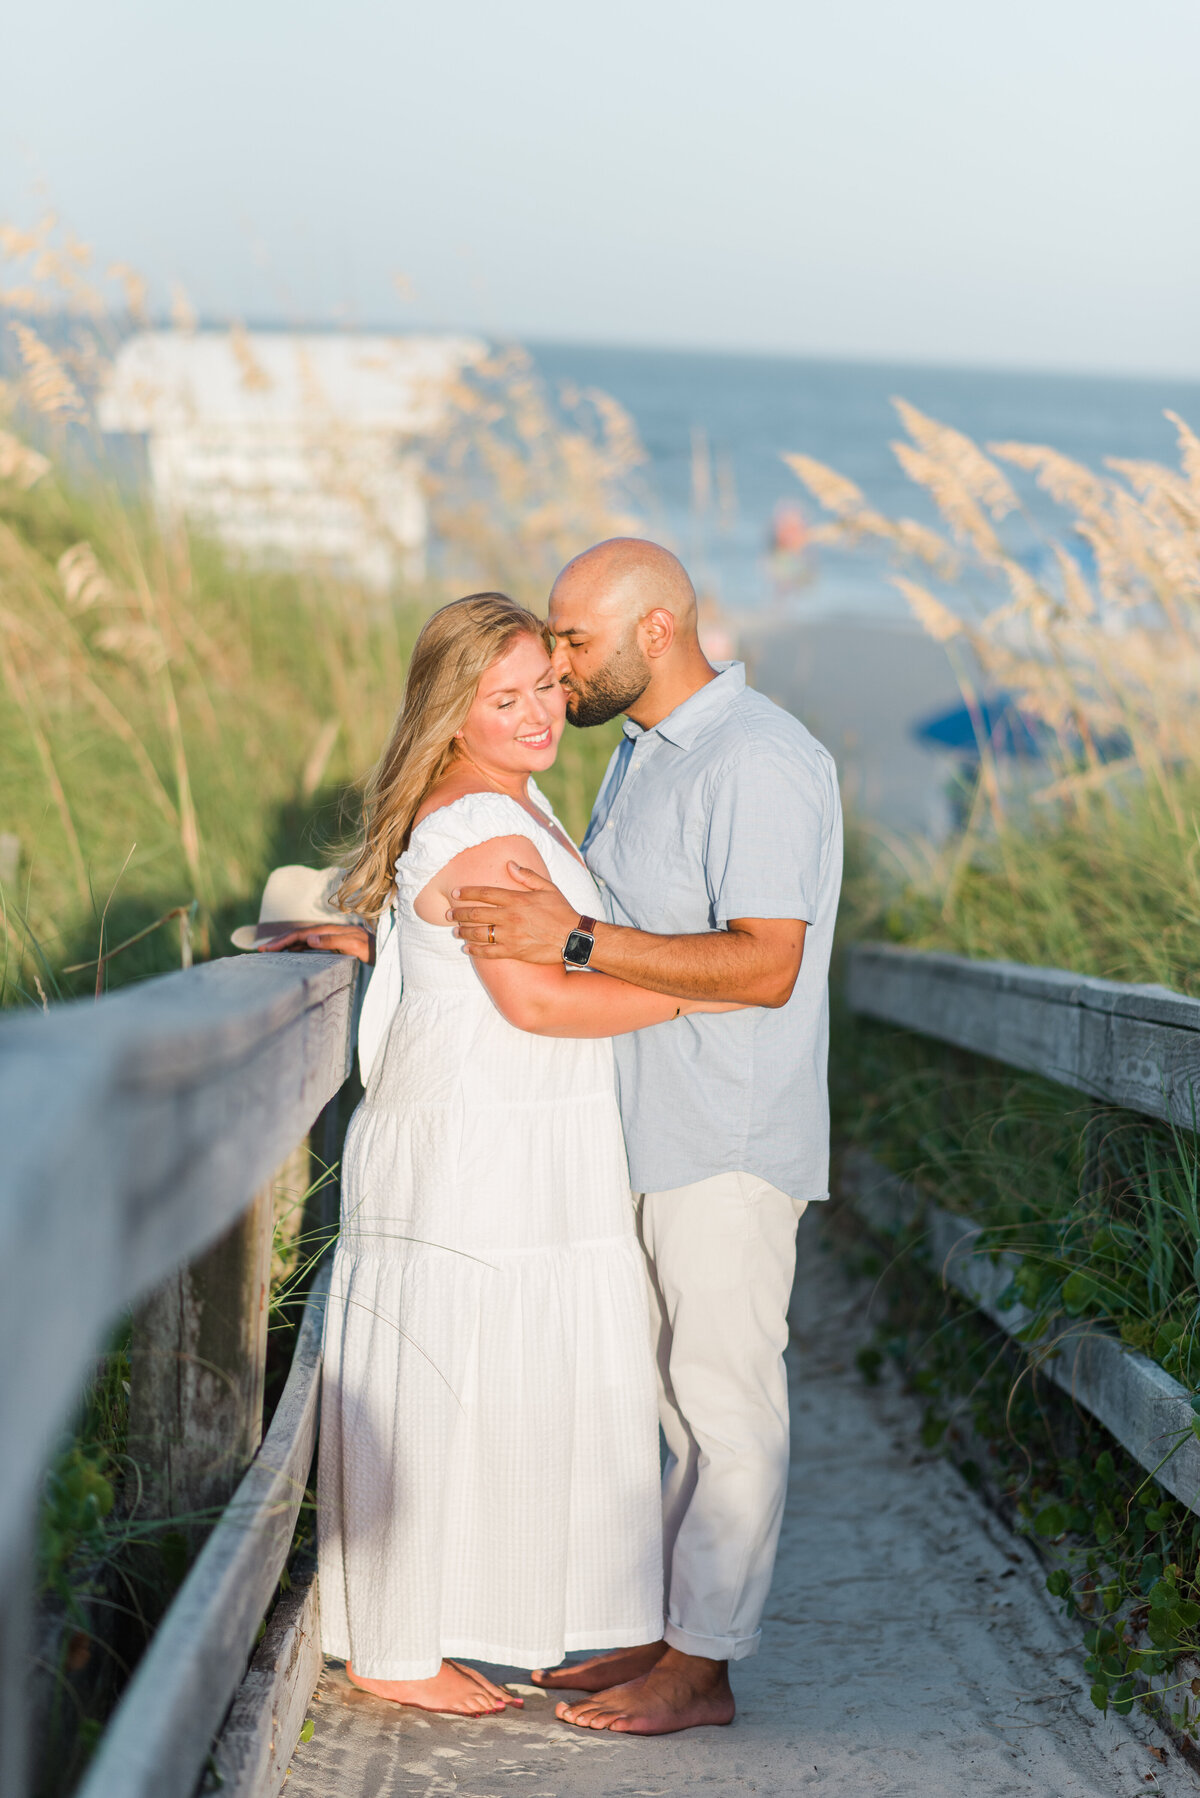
pixel 183 313
pixel 962 458
pixel 84 582
pixel 1029 596
pixel 138 644
pixel 953 498
pixel 941 623
pixel 254 377
pixel 1086 780
pixel 16 244
pixel 26 299
pixel 1078 595
pixel 515 483
pixel 927 546
pixel 53 267
pixel 1096 658
pixel 832 490
pixel 20 464
pixel 46 384
pixel 618 430
pixel 1166 498
pixel 134 288
pixel 1189 450
pixel 1067 482
pixel 85 359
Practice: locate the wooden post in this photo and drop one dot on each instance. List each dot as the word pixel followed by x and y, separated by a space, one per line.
pixel 198 1361
pixel 16 1643
pixel 328 1128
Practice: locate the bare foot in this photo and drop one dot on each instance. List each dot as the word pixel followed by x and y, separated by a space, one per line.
pixel 681 1691
pixel 603 1670
pixel 454 1688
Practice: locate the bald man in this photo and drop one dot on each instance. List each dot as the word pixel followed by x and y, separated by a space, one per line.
pixel 716 841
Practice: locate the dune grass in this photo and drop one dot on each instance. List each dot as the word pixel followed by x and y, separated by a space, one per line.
pixel 174 721
pixel 1076 594
pixel 175 724
pixel 1109 888
pixel 1088 861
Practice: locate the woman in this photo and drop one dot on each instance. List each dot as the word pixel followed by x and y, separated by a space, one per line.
pixel 488 1482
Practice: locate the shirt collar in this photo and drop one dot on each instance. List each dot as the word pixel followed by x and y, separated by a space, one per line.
pixel 689 721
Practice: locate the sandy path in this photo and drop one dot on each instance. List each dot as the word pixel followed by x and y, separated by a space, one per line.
pixel 909 1650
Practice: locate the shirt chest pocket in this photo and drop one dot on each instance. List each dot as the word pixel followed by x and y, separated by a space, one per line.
pixel 657 858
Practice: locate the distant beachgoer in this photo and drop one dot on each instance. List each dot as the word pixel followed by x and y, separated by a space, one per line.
pixel 789 550
pixel 716 841
pixel 789 529
pixel 715 636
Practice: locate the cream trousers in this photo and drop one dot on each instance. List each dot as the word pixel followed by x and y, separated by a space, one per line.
pixel 721 1256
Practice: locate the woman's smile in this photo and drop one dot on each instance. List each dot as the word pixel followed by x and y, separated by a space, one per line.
pixel 538 742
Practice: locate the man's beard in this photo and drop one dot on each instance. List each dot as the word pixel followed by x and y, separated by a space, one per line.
pixel 611 690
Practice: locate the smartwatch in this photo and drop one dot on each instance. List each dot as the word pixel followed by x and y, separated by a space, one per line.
pixel 577 950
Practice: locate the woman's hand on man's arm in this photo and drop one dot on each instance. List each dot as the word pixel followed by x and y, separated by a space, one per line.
pixel 336 939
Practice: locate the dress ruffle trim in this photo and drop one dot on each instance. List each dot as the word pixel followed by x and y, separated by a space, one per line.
pixel 463 824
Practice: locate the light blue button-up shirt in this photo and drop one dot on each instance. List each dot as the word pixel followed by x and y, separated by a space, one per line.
pixel 727 809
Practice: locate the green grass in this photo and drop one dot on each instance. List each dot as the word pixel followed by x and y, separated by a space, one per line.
pixel 194 726
pixel 1111 890
pixel 1099 1207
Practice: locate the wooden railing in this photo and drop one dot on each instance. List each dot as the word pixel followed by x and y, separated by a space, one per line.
pixel 140 1135
pixel 1137 1046
pixel 1133 1046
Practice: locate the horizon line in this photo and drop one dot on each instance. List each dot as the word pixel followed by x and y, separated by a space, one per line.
pixel 840 358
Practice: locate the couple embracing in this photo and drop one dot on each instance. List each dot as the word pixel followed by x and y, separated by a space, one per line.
pixel 595 1108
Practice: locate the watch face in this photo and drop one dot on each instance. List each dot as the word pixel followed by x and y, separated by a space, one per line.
pixel 579 948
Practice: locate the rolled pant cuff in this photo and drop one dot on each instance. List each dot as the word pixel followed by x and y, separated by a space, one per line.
pixel 713 1648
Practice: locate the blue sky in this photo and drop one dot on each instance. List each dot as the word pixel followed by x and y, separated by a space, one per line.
pixel 936 180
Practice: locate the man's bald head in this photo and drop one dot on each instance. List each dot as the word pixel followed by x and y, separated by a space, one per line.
pixel 624 614
pixel 629 577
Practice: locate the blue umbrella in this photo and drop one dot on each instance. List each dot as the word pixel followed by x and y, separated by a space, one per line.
pixel 1005 729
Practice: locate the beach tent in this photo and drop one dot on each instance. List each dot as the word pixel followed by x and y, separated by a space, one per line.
pixel 995 722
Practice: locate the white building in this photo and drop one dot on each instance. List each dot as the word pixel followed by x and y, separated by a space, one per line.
pixel 291 447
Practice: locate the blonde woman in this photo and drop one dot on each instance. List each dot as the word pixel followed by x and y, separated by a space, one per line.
pixel 488 1484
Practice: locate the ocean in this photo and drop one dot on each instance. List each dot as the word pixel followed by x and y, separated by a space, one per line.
pixel 730 418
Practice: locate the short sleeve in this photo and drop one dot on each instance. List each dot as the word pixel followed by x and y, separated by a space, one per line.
pixel 770 828
pixel 463 824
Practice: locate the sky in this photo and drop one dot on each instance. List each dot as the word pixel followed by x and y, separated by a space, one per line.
pixel 946 181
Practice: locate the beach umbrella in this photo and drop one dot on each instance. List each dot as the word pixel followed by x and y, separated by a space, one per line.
pixel 997 721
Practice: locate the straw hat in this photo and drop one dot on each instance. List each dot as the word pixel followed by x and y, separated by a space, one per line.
pixel 293 898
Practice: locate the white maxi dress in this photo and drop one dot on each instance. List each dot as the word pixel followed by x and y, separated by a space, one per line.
pixel 488 1476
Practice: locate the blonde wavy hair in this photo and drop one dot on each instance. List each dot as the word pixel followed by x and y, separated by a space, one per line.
pixel 455 649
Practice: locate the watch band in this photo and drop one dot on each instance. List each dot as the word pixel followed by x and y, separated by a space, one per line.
pixel 587 925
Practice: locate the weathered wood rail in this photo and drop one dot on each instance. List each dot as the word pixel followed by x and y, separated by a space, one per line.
pixel 1134 1046
pixel 138 1133
pixel 1137 1046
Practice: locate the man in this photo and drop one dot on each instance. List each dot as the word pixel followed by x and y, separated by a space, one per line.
pixel 716 841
